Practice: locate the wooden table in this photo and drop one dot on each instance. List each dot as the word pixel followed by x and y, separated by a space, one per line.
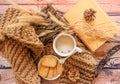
pixel 112 7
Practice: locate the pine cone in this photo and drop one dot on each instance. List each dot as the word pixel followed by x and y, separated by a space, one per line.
pixel 89 15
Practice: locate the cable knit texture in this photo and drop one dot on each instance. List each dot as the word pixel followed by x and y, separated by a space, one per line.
pixel 84 63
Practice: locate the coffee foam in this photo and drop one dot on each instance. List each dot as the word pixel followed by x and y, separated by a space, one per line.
pixel 64 44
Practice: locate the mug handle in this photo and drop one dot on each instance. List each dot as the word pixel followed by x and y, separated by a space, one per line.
pixel 77 49
pixel 62 60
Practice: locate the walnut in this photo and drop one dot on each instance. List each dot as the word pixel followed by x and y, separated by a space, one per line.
pixel 73 74
pixel 89 15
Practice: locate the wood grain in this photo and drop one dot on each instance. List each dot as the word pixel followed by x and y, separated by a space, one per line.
pixel 112 7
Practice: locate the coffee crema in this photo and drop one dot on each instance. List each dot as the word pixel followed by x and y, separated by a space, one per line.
pixel 64 44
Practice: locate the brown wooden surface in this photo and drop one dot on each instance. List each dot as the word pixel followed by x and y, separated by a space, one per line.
pixel 112 7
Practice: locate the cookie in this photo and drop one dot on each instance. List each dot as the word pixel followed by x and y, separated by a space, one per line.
pixel 50 73
pixel 55 72
pixel 59 68
pixel 49 61
pixel 43 71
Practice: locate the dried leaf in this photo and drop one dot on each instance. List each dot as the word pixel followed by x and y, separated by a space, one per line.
pixel 33 12
pixel 32 19
pixel 17 25
pixel 68 31
pixel 38 18
pixel 43 33
pixel 40 13
pixel 55 19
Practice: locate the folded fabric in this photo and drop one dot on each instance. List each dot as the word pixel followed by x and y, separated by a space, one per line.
pixel 79 69
pixel 20 46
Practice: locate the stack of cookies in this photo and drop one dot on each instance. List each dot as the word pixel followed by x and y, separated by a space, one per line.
pixel 49 67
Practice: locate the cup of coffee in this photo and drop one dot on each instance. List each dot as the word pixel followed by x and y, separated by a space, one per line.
pixel 65 45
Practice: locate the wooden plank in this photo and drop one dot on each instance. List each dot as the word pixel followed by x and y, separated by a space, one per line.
pixel 113 10
pixel 109 1
pixel 107 79
pixel 20 1
pixel 58 1
pixel 62 8
pixel 7 77
pixel 4 62
pixel 116 19
pixel 109 6
pixel 41 1
pixel 3 8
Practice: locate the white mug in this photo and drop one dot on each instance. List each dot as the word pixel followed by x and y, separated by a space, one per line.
pixel 72 51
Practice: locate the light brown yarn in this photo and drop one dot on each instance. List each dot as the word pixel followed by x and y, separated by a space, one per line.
pixel 24 34
pixel 21 61
pixel 17 44
pixel 48 50
pixel 85 63
pixel 18 80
